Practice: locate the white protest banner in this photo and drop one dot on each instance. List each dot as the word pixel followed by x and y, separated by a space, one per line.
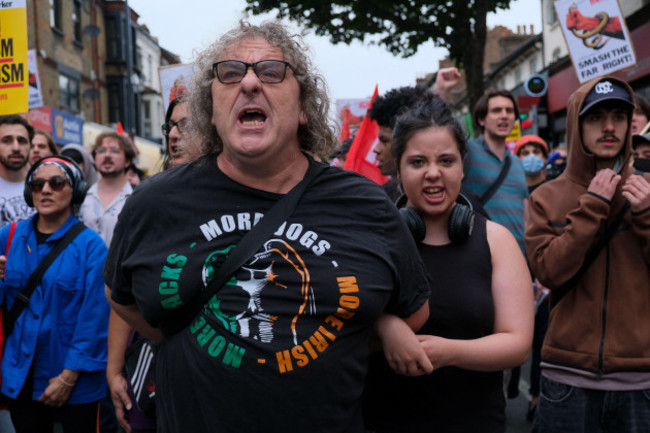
pixel 35 96
pixel 597 36
pixel 352 111
pixel 175 81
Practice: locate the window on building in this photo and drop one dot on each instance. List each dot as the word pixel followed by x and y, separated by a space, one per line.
pixel 533 65
pixel 114 106
pixel 113 38
pixel 135 50
pixel 556 54
pixel 551 16
pixel 148 131
pixel 150 70
pixel 76 19
pixel 159 112
pixel 55 14
pixel 69 91
pixel 517 75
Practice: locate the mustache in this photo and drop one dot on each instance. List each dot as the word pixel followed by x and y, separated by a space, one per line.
pixel 609 138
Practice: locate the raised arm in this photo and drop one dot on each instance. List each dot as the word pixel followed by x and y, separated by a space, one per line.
pixel 446 79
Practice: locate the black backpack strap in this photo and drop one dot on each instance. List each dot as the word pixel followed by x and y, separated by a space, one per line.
pixel 487 195
pixel 22 299
pixel 246 248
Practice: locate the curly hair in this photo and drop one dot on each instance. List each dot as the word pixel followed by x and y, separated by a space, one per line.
pixel 316 137
pixel 433 112
pixel 386 108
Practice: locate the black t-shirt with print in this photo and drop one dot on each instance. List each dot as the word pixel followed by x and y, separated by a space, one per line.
pixel 284 345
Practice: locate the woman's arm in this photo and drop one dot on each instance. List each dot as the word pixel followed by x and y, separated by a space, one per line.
pixel 513 315
pixel 86 349
pixel 59 388
pixel 131 315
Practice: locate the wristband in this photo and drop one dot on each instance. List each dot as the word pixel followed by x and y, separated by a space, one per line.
pixel 63 381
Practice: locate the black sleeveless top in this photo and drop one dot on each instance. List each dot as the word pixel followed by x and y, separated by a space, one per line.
pixel 461 307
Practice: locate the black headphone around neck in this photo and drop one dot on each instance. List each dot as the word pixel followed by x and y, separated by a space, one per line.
pixel 79 186
pixel 461 220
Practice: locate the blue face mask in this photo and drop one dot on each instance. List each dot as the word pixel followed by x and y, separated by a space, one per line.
pixel 533 164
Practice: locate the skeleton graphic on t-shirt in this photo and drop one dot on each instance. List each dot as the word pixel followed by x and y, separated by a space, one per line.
pixel 260 287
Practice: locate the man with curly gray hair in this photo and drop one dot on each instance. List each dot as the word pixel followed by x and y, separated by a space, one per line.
pixel 283 346
pixel 315 134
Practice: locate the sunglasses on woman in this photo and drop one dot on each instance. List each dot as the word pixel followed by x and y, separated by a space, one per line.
pixel 56 183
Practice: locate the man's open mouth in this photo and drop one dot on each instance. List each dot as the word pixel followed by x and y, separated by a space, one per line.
pixel 252 118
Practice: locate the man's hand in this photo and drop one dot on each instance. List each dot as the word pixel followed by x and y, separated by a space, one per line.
pixel 3 266
pixel 446 79
pixel 402 349
pixel 604 183
pixel 118 386
pixel 637 191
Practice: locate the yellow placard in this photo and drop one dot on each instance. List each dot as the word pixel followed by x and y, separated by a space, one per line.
pixel 14 74
pixel 515 134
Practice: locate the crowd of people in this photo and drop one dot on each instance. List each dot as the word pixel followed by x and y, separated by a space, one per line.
pixel 402 307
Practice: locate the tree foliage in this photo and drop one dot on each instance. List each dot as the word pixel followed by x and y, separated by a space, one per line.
pixel 400 26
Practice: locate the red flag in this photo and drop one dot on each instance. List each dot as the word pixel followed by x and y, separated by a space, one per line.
pixel 345 130
pixel 361 157
pixel 120 130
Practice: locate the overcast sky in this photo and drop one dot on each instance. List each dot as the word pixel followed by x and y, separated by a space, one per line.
pixel 351 71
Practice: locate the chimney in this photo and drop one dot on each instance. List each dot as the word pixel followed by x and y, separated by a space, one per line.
pixel 532 29
pixel 518 29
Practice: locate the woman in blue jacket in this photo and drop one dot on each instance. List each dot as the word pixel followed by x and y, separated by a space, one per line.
pixel 53 367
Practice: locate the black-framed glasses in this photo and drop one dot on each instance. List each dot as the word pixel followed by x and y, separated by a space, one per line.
pixel 181 124
pixel 57 183
pixel 268 71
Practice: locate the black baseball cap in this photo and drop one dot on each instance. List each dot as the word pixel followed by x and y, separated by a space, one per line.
pixel 640 139
pixel 607 90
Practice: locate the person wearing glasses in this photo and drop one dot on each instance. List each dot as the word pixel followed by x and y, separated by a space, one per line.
pixel 54 361
pixel 284 345
pixel 113 154
pixel 181 146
